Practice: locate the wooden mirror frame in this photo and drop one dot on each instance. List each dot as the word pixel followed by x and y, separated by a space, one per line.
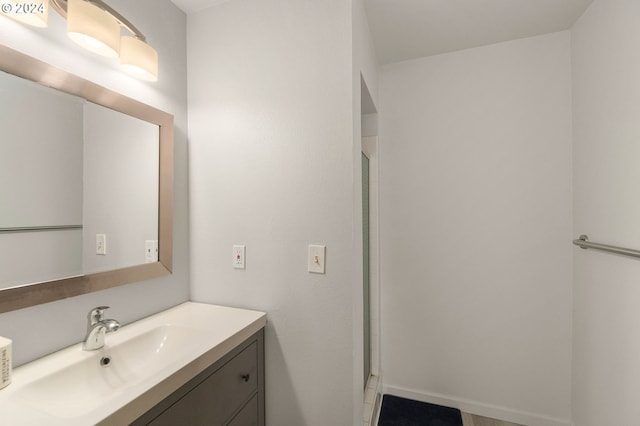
pixel 13 298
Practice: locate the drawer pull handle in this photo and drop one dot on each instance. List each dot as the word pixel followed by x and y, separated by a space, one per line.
pixel 246 377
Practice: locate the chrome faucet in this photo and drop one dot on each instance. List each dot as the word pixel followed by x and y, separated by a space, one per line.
pixel 97 327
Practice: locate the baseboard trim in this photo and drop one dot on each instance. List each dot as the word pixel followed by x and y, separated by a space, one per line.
pixel 478 408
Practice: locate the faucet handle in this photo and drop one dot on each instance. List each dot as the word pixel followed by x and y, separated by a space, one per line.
pixel 95 314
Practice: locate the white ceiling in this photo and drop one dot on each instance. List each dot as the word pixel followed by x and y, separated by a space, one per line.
pixel 192 6
pixel 407 29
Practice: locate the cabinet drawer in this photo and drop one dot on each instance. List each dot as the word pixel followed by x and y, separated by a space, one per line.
pixel 218 397
pixel 248 416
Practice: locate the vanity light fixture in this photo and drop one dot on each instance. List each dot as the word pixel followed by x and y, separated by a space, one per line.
pixel 95 26
pixel 138 58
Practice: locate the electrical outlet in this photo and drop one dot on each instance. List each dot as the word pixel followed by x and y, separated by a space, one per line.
pixel 238 256
pixel 151 251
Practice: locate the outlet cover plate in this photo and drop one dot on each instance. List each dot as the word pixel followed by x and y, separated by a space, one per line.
pixel 238 256
pixel 151 251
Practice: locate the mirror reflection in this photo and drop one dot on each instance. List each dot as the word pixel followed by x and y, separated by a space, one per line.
pixel 78 186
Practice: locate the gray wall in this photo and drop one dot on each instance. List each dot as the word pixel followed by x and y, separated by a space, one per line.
pixel 272 167
pixel 42 329
pixel 475 229
pixel 606 99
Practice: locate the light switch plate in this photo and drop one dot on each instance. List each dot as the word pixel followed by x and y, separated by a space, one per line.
pixel 316 259
pixel 238 256
pixel 101 244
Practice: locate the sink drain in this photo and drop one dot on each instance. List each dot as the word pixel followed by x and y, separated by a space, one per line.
pixel 105 361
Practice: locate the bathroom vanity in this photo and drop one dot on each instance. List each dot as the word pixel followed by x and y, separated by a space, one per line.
pixel 192 364
pixel 229 392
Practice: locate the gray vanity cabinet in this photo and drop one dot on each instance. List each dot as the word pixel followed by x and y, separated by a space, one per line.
pixel 229 392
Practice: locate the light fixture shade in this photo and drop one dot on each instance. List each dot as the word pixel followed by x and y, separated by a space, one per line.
pixel 93 28
pixel 138 58
pixel 27 12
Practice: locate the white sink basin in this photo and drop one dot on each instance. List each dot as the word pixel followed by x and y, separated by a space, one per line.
pixel 83 385
pixel 148 360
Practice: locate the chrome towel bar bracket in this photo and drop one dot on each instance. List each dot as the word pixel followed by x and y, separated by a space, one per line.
pixel 583 242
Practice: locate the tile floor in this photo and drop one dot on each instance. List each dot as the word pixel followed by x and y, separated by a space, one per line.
pixel 473 420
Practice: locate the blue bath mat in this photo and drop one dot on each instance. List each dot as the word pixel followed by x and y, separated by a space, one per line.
pixel 397 411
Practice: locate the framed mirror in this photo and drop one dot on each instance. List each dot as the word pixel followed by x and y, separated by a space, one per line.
pixel 86 187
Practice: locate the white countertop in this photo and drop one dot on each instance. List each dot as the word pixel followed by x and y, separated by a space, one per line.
pixel 219 330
